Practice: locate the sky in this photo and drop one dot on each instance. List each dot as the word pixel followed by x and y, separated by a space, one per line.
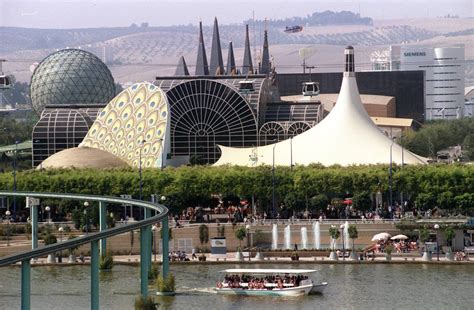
pixel 116 13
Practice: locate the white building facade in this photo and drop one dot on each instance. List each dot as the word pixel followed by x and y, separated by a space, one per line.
pixel 444 75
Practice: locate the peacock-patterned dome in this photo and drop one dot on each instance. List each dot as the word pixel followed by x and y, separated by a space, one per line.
pixel 132 125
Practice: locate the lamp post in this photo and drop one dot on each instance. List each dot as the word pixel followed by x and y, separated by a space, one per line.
pixel 247 227
pixel 140 166
pixel 273 179
pixel 343 245
pixel 291 153
pixel 154 229
pixel 14 175
pixel 8 213
pixel 48 209
pixel 86 204
pixel 436 227
pixel 390 181
pixel 162 154
pixel 60 230
pixel 112 219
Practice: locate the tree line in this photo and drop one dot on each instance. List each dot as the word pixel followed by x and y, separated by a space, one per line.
pixel 437 135
pixel 445 186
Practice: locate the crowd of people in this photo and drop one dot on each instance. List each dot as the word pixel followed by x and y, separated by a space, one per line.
pixel 260 283
pixel 178 256
pixel 460 256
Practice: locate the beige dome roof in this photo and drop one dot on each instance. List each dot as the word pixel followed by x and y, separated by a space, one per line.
pixel 82 157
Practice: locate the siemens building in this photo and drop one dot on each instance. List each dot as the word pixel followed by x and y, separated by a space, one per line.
pixel 444 75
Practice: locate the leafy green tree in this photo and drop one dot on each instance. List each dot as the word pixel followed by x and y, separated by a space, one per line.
pixel 464 202
pixel 425 201
pixel 424 234
pixel 334 233
pixel 353 234
pixel 240 234
pixel 449 233
pixel 319 202
pixel 446 200
pixel 361 200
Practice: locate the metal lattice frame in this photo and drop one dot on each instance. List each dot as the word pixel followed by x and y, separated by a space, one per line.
pixel 58 129
pixel 311 113
pixel 71 76
pixel 205 113
pixel 281 131
pixel 297 128
pixel 270 131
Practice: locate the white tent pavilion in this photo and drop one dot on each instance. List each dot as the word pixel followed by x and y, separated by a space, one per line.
pixel 347 136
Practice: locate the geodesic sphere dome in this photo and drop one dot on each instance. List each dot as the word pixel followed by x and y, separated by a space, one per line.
pixel 71 76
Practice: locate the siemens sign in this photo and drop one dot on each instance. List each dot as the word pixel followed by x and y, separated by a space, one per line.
pixel 409 54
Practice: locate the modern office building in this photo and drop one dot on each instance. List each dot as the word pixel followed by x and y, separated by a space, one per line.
pixel 444 75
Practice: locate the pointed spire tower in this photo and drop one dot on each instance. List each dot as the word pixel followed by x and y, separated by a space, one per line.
pixel 217 64
pixel 347 126
pixel 201 63
pixel 182 68
pixel 265 66
pixel 247 66
pixel 231 60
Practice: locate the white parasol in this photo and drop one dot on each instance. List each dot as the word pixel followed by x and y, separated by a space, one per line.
pixel 381 236
pixel 399 237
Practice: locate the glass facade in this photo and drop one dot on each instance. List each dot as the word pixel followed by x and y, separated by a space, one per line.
pixel 71 76
pixel 205 113
pixel 59 129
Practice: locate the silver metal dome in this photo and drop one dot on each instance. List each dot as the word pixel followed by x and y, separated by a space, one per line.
pixel 71 76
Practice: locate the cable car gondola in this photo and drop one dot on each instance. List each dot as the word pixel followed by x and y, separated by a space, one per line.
pixel 5 80
pixel 310 89
pixel 293 29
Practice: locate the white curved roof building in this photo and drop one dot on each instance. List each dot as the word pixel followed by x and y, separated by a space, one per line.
pixel 347 136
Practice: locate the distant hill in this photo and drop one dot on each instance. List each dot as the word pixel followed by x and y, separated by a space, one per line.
pixel 14 38
pixel 139 53
pixel 318 19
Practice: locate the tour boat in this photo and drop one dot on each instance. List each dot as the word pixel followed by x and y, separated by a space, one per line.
pixel 273 282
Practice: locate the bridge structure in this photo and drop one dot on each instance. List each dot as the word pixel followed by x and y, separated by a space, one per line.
pixel 96 240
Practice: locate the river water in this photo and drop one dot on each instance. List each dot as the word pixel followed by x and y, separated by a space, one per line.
pixel 351 286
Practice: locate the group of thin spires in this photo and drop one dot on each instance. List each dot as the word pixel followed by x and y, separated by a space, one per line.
pixel 216 66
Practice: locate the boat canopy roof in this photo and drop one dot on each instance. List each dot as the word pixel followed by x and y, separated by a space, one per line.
pixel 269 271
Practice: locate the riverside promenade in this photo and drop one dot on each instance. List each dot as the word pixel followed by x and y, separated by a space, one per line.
pixel 380 258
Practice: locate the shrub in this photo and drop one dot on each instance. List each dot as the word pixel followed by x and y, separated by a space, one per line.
pixel 106 262
pixel 203 233
pixel 334 233
pixel 165 285
pixel 72 250
pixel 240 234
pixel 49 238
pixel 424 234
pixel 153 272
pixel 145 303
pixel 221 231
